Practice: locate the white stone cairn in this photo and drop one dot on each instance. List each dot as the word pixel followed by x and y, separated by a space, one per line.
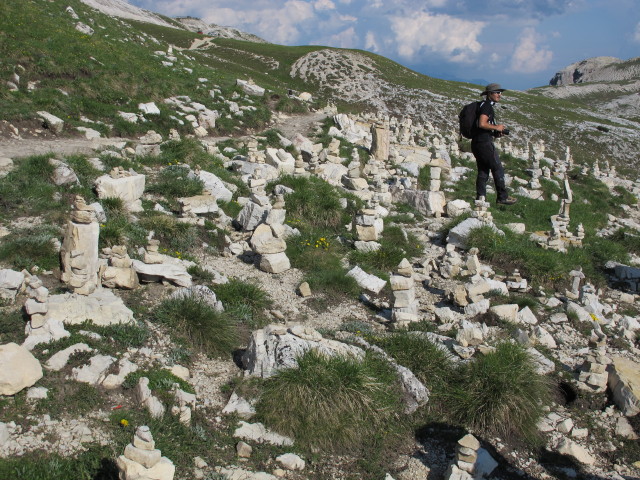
pixel 79 252
pixel 118 272
pixel 405 306
pixel 141 460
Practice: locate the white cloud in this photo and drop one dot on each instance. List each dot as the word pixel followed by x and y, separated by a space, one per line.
pixel 528 57
pixel 370 42
pixel 324 5
pixel 441 34
pixel 345 39
pixel 636 34
pixel 278 25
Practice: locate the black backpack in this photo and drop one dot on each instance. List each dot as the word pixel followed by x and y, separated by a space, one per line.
pixel 468 118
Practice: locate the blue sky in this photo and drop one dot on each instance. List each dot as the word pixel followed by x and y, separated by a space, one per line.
pixel 518 43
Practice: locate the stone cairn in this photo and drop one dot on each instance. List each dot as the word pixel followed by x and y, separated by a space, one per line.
pixel 118 271
pixel 593 376
pixel 560 237
pixel 405 307
pixel 36 306
pixel 268 240
pixel 353 179
pixel 126 185
pixel 142 460
pixel 466 456
pixel 380 138
pixel 369 227
pixel 481 211
pixel 79 252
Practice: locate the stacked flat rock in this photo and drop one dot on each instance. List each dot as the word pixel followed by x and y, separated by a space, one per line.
pixel 118 272
pixel 36 306
pixel 11 282
pixel 79 251
pixel 149 144
pixel 466 456
pixel 405 307
pixel 353 179
pixel 481 211
pixel 268 240
pixel 593 375
pixel 142 461
pixel 125 185
pixel 369 225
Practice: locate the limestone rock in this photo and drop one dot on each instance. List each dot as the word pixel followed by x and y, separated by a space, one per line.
pixel 275 347
pixel 624 382
pixel 19 369
pixel 367 281
pixel 291 461
pixel 102 307
pixel 258 433
pixel 576 451
pixel 175 274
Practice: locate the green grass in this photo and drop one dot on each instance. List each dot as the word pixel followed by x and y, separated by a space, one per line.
pixel 396 244
pixel 173 182
pixel 245 302
pixel 30 247
pixel 192 319
pixel 332 403
pixel 500 394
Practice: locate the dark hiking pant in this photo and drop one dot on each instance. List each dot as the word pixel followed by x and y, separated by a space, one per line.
pixel 488 160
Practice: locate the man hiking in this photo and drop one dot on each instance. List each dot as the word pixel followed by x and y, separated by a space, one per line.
pixel 484 149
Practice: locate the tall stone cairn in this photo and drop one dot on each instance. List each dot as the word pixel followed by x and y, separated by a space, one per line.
pixel 79 252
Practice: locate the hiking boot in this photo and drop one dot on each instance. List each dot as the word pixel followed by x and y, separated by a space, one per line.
pixel 507 201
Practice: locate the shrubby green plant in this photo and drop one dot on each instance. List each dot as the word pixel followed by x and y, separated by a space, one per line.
pixel 332 403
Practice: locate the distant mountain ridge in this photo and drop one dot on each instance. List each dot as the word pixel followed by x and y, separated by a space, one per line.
pixel 598 69
pixel 211 29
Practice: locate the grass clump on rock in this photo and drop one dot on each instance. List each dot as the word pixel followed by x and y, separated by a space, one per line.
pixel 194 320
pixel 333 403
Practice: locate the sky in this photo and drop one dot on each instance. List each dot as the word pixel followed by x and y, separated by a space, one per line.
pixel 520 44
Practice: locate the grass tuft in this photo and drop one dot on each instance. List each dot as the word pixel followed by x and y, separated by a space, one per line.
pixel 332 403
pixel 211 331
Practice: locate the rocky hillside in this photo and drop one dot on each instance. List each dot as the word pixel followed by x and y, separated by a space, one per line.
pixel 227 260
pixel 352 80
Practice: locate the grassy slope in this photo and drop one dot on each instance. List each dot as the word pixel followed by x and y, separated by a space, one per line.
pixel 115 69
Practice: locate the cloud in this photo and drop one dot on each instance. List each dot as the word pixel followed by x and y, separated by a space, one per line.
pixel 528 57
pixel 370 42
pixel 345 39
pixel 636 34
pixel 280 24
pixel 441 34
pixel 324 5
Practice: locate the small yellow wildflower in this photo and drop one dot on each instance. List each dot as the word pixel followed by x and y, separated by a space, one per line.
pixel 124 422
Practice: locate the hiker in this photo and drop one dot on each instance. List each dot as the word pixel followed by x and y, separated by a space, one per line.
pixel 484 149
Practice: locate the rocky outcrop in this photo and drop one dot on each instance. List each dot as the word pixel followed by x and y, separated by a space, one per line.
pixel 597 69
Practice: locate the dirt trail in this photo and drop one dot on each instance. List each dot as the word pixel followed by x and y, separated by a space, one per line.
pixel 289 125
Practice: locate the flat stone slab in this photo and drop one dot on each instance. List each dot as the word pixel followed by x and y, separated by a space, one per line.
pixel 102 307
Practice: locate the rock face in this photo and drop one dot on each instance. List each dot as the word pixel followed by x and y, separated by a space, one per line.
pixel 19 369
pixel 276 346
pixel 597 69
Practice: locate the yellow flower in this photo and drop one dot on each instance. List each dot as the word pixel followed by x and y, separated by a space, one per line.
pixel 124 422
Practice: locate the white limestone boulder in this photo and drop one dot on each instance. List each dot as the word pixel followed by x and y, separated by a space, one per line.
pixel 19 369
pixel 276 347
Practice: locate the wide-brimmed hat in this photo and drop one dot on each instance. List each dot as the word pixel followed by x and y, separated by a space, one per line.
pixel 492 87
